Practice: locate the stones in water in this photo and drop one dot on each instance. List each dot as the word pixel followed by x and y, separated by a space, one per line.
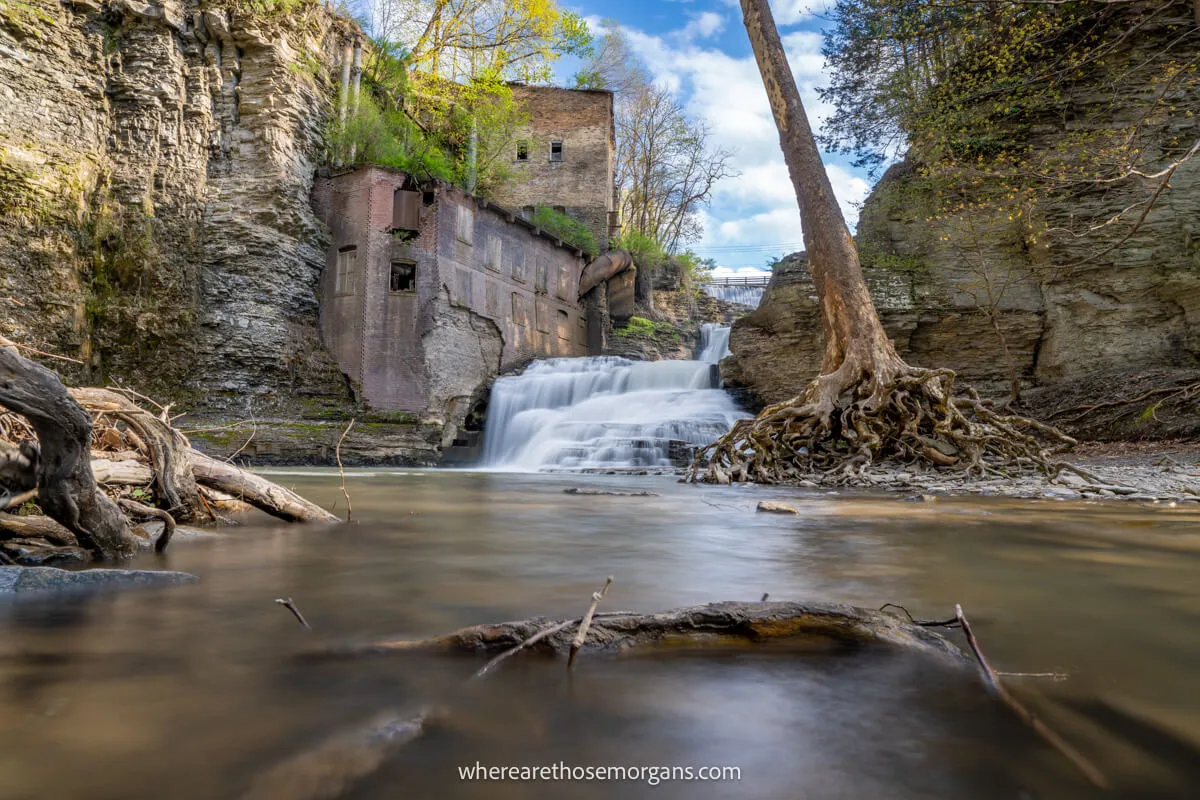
pixel 604 413
pixel 51 579
pixel 775 507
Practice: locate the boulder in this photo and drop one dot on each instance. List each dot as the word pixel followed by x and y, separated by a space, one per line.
pixel 19 580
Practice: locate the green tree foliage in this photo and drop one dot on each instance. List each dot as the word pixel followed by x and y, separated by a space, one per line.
pixel 426 126
pixel 1005 104
pixel 569 229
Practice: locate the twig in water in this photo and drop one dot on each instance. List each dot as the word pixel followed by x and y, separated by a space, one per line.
pixel 342 472
pixel 1054 676
pixel 537 637
pixel 992 679
pixel 924 623
pixel 587 622
pixel 287 603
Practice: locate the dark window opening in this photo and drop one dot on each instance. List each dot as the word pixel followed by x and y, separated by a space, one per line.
pixel 404 276
pixel 427 198
pixel 556 151
pixel 522 151
pixel 561 209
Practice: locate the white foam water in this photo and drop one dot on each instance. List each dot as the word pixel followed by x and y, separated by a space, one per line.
pixel 604 413
pixel 714 342
pixel 743 295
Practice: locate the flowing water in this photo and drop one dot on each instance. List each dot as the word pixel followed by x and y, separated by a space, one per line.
pixel 192 691
pixel 604 413
pixel 714 342
pixel 743 295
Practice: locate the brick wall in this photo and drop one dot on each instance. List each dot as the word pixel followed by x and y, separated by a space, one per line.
pixel 469 253
pixel 582 183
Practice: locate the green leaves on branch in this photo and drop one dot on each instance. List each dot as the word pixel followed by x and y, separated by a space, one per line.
pixel 570 230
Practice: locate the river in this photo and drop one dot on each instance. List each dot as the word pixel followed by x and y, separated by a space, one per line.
pixel 189 692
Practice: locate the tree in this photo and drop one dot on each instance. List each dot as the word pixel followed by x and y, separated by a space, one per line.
pixel 468 39
pixel 667 166
pixel 867 404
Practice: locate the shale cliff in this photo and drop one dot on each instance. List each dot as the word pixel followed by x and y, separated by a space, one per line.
pixel 156 162
pixel 976 292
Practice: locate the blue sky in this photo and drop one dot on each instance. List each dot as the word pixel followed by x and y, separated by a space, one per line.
pixel 699 49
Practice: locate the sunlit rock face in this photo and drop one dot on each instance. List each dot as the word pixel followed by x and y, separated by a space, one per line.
pixel 978 294
pixel 156 162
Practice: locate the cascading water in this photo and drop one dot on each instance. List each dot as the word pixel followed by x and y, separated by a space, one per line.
pixel 714 342
pixel 604 413
pixel 743 295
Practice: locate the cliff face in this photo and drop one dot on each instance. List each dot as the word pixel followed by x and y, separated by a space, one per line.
pixel 156 162
pixel 976 292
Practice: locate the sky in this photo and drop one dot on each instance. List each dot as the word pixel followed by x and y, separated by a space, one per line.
pixel 699 49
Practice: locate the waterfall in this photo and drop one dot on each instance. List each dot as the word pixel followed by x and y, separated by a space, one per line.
pixel 743 295
pixel 714 342
pixel 604 413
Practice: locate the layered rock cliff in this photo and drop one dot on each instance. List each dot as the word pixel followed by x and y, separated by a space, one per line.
pixel 156 162
pixel 976 292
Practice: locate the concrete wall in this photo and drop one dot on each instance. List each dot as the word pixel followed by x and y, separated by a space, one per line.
pixel 582 183
pixel 491 291
pixel 525 282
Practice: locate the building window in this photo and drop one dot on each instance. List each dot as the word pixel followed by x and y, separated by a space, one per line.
pixel 539 278
pixel 564 325
pixel 561 209
pixel 541 314
pixel 491 258
pixel 564 281
pixel 556 151
pixel 518 264
pixel 465 229
pixel 518 310
pixel 404 276
pixel 522 151
pixel 347 265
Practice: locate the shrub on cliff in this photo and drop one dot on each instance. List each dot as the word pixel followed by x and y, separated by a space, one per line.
pixel 570 230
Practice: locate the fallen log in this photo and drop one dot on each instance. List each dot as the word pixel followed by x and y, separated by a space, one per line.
pixel 697 626
pixel 35 527
pixel 67 490
pixel 121 473
pixel 256 490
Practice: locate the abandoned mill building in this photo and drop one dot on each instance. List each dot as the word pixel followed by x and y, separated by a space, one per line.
pixel 429 292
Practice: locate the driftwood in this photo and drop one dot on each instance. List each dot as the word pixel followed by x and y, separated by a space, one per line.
pixel 67 490
pixel 256 490
pixel 991 679
pixel 581 634
pixel 697 626
pixel 35 527
pixel 174 483
pixel 160 544
pixel 121 473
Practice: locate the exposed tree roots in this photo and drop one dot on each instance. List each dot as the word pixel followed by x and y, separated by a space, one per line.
pixel 850 421
pixel 69 453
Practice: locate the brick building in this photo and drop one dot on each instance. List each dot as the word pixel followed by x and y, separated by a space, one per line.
pixel 566 157
pixel 429 292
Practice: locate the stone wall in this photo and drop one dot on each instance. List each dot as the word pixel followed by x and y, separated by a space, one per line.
pixel 582 183
pixel 155 168
pixel 977 293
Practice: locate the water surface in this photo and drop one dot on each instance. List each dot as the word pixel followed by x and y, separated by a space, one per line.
pixel 190 692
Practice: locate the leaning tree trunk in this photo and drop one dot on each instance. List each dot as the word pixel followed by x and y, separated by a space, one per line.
pixel 67 490
pixel 867 404
pixel 856 345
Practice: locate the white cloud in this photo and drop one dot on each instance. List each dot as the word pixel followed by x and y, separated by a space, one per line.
pixel 703 26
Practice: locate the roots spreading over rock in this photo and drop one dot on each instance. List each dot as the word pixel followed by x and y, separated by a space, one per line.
pixel 850 421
